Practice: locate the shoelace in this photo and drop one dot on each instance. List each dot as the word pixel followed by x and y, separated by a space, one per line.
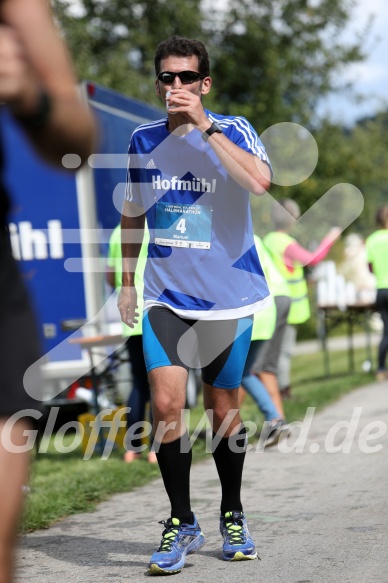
pixel 168 535
pixel 235 530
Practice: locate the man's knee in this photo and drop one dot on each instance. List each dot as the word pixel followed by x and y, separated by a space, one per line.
pixel 168 391
pixel 224 418
pixel 166 405
pixel 221 413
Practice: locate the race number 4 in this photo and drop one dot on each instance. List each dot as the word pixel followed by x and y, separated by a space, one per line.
pixel 181 226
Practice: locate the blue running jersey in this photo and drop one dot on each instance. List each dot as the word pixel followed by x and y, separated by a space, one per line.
pixel 202 261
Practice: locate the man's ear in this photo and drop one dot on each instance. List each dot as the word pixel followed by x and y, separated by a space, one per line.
pixel 206 85
pixel 157 89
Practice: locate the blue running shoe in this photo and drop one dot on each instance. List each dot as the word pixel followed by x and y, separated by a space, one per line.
pixel 238 545
pixel 178 540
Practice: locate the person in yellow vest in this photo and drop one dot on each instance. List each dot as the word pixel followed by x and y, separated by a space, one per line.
pixel 140 392
pixel 264 324
pixel 377 256
pixel 289 258
pixel 265 365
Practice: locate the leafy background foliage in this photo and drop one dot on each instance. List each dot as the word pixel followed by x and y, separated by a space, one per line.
pixel 271 60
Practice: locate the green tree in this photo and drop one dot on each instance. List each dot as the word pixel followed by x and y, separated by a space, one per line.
pixel 358 156
pixel 113 43
pixel 274 59
pixel 271 60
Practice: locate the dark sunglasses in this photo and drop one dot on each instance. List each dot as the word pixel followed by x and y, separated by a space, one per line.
pixel 186 77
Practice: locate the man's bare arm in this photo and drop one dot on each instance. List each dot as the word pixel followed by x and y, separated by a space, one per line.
pixel 245 168
pixel 132 231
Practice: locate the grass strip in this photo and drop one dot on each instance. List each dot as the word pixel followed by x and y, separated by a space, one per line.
pixel 63 483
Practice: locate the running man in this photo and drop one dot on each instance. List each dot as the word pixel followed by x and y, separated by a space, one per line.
pixel 191 174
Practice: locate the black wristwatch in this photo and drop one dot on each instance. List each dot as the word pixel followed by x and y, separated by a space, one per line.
pixel 215 127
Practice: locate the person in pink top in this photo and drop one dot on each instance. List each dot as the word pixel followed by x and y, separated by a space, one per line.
pixel 274 363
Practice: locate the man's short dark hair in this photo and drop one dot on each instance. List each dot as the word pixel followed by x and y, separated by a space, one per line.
pixel 178 46
pixel 382 217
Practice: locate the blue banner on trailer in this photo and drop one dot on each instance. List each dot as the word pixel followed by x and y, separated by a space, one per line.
pixel 51 208
pixel 44 203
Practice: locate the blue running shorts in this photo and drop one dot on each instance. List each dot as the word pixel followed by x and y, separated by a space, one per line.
pixel 218 347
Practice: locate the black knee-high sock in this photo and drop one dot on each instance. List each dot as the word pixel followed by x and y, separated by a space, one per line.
pixel 229 458
pixel 174 460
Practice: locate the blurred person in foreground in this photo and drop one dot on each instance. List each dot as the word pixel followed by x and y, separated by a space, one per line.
pixel 274 363
pixel 377 257
pixel 191 173
pixel 38 87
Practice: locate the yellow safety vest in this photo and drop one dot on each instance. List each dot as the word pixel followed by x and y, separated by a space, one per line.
pixel 276 243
